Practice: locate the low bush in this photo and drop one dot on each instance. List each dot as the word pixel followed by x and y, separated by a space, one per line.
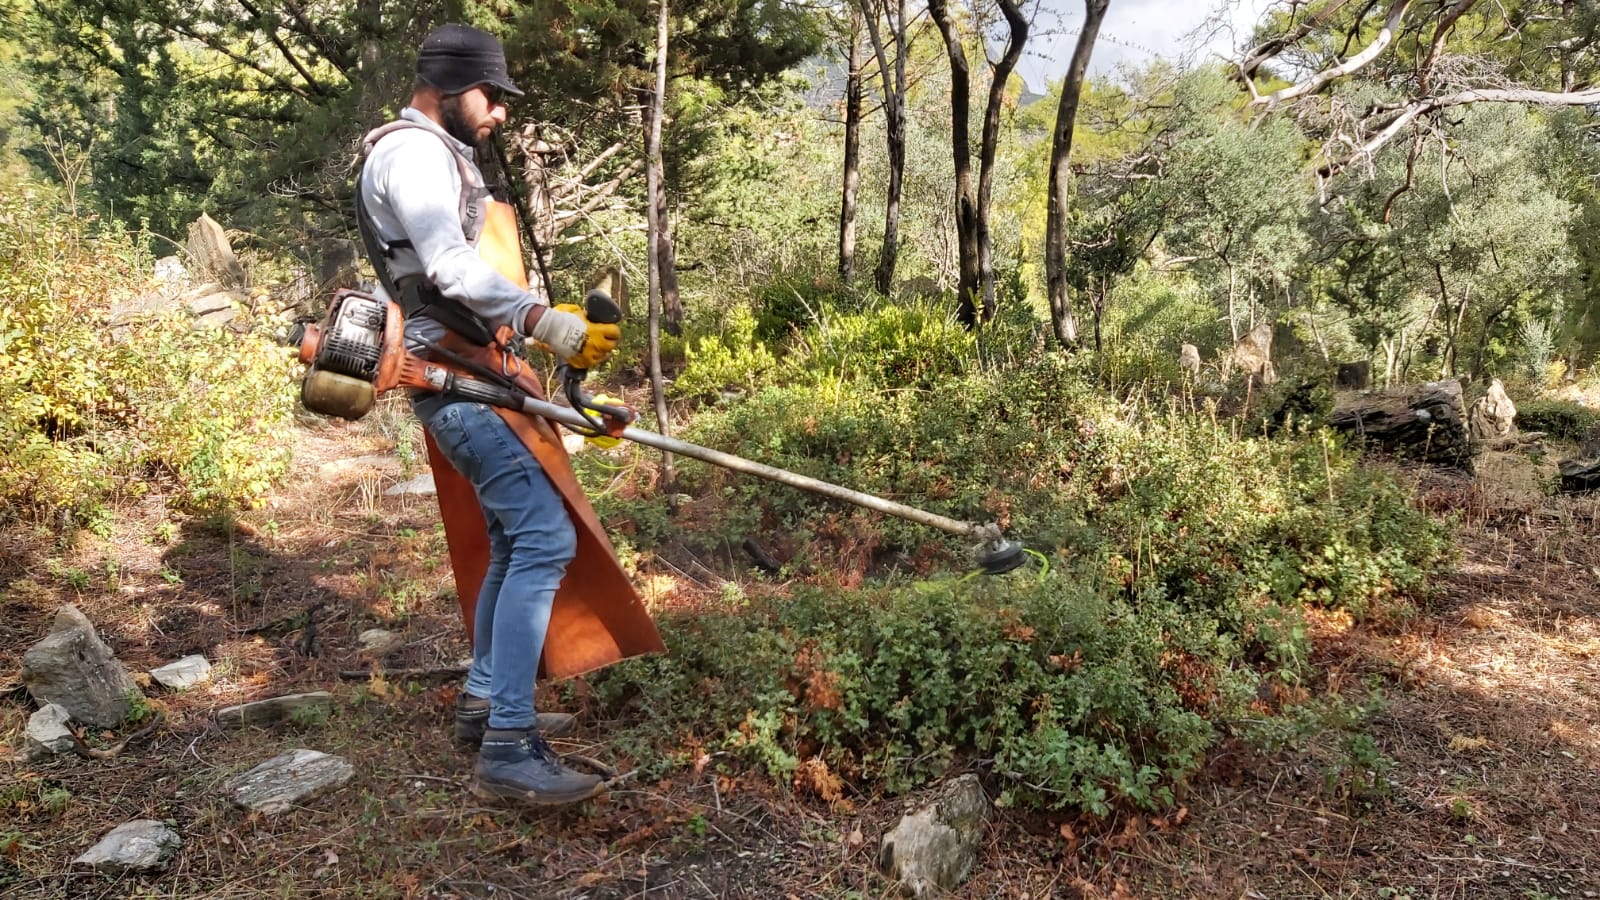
pixel 1561 419
pixel 86 418
pixel 1182 554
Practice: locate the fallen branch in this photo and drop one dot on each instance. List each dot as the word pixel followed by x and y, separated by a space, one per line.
pixel 436 672
pixel 112 752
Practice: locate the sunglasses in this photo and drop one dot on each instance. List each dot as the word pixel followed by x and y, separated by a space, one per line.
pixel 496 95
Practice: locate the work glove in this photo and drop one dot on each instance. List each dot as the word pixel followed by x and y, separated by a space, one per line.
pixel 567 332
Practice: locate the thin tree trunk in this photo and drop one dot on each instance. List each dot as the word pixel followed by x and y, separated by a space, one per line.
pixel 966 201
pixel 667 254
pixel 1055 249
pixel 654 225
pixel 894 115
pixel 852 160
pixel 989 146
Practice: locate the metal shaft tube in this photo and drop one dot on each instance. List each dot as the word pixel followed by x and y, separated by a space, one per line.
pixel 568 416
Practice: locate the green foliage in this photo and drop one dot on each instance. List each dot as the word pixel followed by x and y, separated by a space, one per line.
pixel 728 359
pixel 1182 554
pixel 1561 419
pixel 85 419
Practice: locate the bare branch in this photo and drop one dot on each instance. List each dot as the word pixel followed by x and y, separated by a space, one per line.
pixel 1397 11
pixel 1427 105
pixel 1261 53
pixel 1440 32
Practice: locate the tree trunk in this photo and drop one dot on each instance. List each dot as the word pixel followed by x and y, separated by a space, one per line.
pixel 966 202
pixel 667 254
pixel 852 161
pixel 1055 249
pixel 989 146
pixel 654 235
pixel 893 76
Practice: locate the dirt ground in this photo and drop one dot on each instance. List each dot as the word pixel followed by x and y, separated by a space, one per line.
pixel 1474 773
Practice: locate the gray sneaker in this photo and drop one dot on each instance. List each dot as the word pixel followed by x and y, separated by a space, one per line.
pixel 472 719
pixel 518 765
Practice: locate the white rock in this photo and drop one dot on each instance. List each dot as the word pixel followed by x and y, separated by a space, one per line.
pixel 47 733
pixel 372 461
pixel 934 849
pixel 286 780
pixel 378 640
pixel 142 845
pixel 185 673
pixel 420 486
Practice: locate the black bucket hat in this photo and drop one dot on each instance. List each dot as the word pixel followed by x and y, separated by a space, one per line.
pixel 458 58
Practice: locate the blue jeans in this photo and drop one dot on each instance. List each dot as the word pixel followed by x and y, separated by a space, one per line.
pixel 531 541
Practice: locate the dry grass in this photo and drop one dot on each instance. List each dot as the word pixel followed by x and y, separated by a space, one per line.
pixel 1490 726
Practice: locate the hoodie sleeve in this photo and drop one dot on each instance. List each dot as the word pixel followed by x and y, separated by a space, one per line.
pixel 413 189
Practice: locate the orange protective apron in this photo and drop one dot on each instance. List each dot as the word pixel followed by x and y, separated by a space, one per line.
pixel 598 618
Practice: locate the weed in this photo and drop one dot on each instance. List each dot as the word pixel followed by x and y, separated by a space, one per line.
pixel 309 716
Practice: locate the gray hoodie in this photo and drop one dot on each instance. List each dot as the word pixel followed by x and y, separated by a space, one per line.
pixel 412 189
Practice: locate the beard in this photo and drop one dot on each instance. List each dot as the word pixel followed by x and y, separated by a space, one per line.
pixel 455 122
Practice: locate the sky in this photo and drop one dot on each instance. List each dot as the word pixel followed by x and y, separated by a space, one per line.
pixel 1134 32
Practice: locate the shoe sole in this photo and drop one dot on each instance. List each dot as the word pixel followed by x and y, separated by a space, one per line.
pixel 490 791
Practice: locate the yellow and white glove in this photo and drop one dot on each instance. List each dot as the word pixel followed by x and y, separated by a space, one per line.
pixel 565 331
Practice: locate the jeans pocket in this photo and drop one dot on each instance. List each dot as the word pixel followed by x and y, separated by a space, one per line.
pixel 452 431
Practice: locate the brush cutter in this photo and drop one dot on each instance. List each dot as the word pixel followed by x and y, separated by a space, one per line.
pixel 357 352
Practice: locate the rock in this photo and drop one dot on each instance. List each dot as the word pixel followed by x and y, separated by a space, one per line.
pixel 378 641
pixel 213 310
pixel 1579 475
pixel 420 486
pixel 73 668
pixel 143 845
pixel 1424 421
pixel 281 783
pixel 1354 376
pixel 1493 415
pixel 211 253
pixel 170 270
pixel 934 849
pixel 1189 359
pixel 370 462
pixel 1253 355
pixel 274 709
pixel 183 674
pixel 47 733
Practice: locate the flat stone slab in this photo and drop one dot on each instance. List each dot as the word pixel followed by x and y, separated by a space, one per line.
pixel 287 780
pixel 274 709
pixel 143 845
pixel 47 733
pixel 420 486
pixel 369 463
pixel 183 674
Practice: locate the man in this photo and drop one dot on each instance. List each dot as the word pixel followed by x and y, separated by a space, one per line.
pixel 421 206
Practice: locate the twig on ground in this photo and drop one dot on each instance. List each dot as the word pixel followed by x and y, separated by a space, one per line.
pixel 112 752
pixel 433 672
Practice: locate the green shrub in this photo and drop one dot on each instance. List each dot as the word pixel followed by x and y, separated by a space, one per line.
pixel 86 419
pixel 1182 555
pixel 1561 419
pixel 727 359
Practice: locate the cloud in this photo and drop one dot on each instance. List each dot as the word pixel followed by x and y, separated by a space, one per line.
pixel 1136 32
